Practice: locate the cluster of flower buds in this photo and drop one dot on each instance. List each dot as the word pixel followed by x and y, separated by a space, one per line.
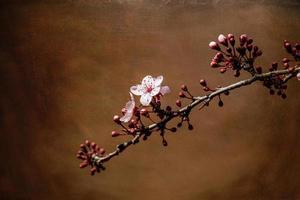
pixel 87 152
pixel 235 57
pixel 293 49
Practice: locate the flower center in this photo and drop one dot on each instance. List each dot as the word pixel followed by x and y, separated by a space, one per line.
pixel 149 89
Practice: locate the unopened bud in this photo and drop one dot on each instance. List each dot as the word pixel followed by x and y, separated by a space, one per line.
pixel 184 88
pixel 116 119
pixel 223 40
pixel 115 134
pixel 181 94
pixel 213 45
pixel 178 103
pixel 203 82
pixel 144 112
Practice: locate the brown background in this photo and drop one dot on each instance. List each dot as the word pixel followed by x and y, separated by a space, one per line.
pixel 66 67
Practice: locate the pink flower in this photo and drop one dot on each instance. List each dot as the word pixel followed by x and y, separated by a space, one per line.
pixel 149 88
pixel 298 76
pixel 129 110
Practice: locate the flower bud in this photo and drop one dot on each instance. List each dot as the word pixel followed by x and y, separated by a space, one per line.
pixel 274 65
pixel 291 69
pixel 178 103
pixel 249 41
pixel 286 65
pixel 83 164
pixel 288 46
pixel 117 119
pixel 214 64
pixel 102 151
pixel 259 70
pixel 223 70
pixel 285 60
pixel 144 112
pixel 298 76
pixel 249 47
pixel 115 134
pixel 184 88
pixel 87 143
pixel 190 127
pixel 93 145
pixel 203 82
pixel 181 94
pixel 232 41
pixel 218 57
pixel 283 96
pixel 220 103
pixel 255 48
pixel 168 108
pixel 93 171
pixel 243 39
pixel 213 45
pixel 223 40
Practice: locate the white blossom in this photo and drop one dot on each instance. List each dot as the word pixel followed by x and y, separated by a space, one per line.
pixel 149 88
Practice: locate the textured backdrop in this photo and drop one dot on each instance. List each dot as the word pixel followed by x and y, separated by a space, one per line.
pixel 66 68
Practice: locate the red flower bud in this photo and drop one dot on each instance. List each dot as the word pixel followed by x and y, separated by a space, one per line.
pixel 243 39
pixel 223 40
pixel 203 82
pixel 249 47
pixel 115 134
pixel 181 94
pixel 178 103
pixel 232 41
pixel 259 70
pixel 184 88
pixel 285 60
pixel 83 164
pixel 102 151
pixel 144 112
pixel 213 45
pixel 274 65
pixel 288 47
pixel 117 119
pixel 214 64
pixel 223 70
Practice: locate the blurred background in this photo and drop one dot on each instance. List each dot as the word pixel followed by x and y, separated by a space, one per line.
pixel 66 69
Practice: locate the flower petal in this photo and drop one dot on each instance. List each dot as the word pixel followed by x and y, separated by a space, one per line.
pixel 165 90
pixel 158 80
pixel 137 90
pixel 155 91
pixel 146 99
pixel 126 117
pixel 147 81
pixel 298 76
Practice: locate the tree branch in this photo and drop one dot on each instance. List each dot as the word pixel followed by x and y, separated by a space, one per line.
pixel 99 160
